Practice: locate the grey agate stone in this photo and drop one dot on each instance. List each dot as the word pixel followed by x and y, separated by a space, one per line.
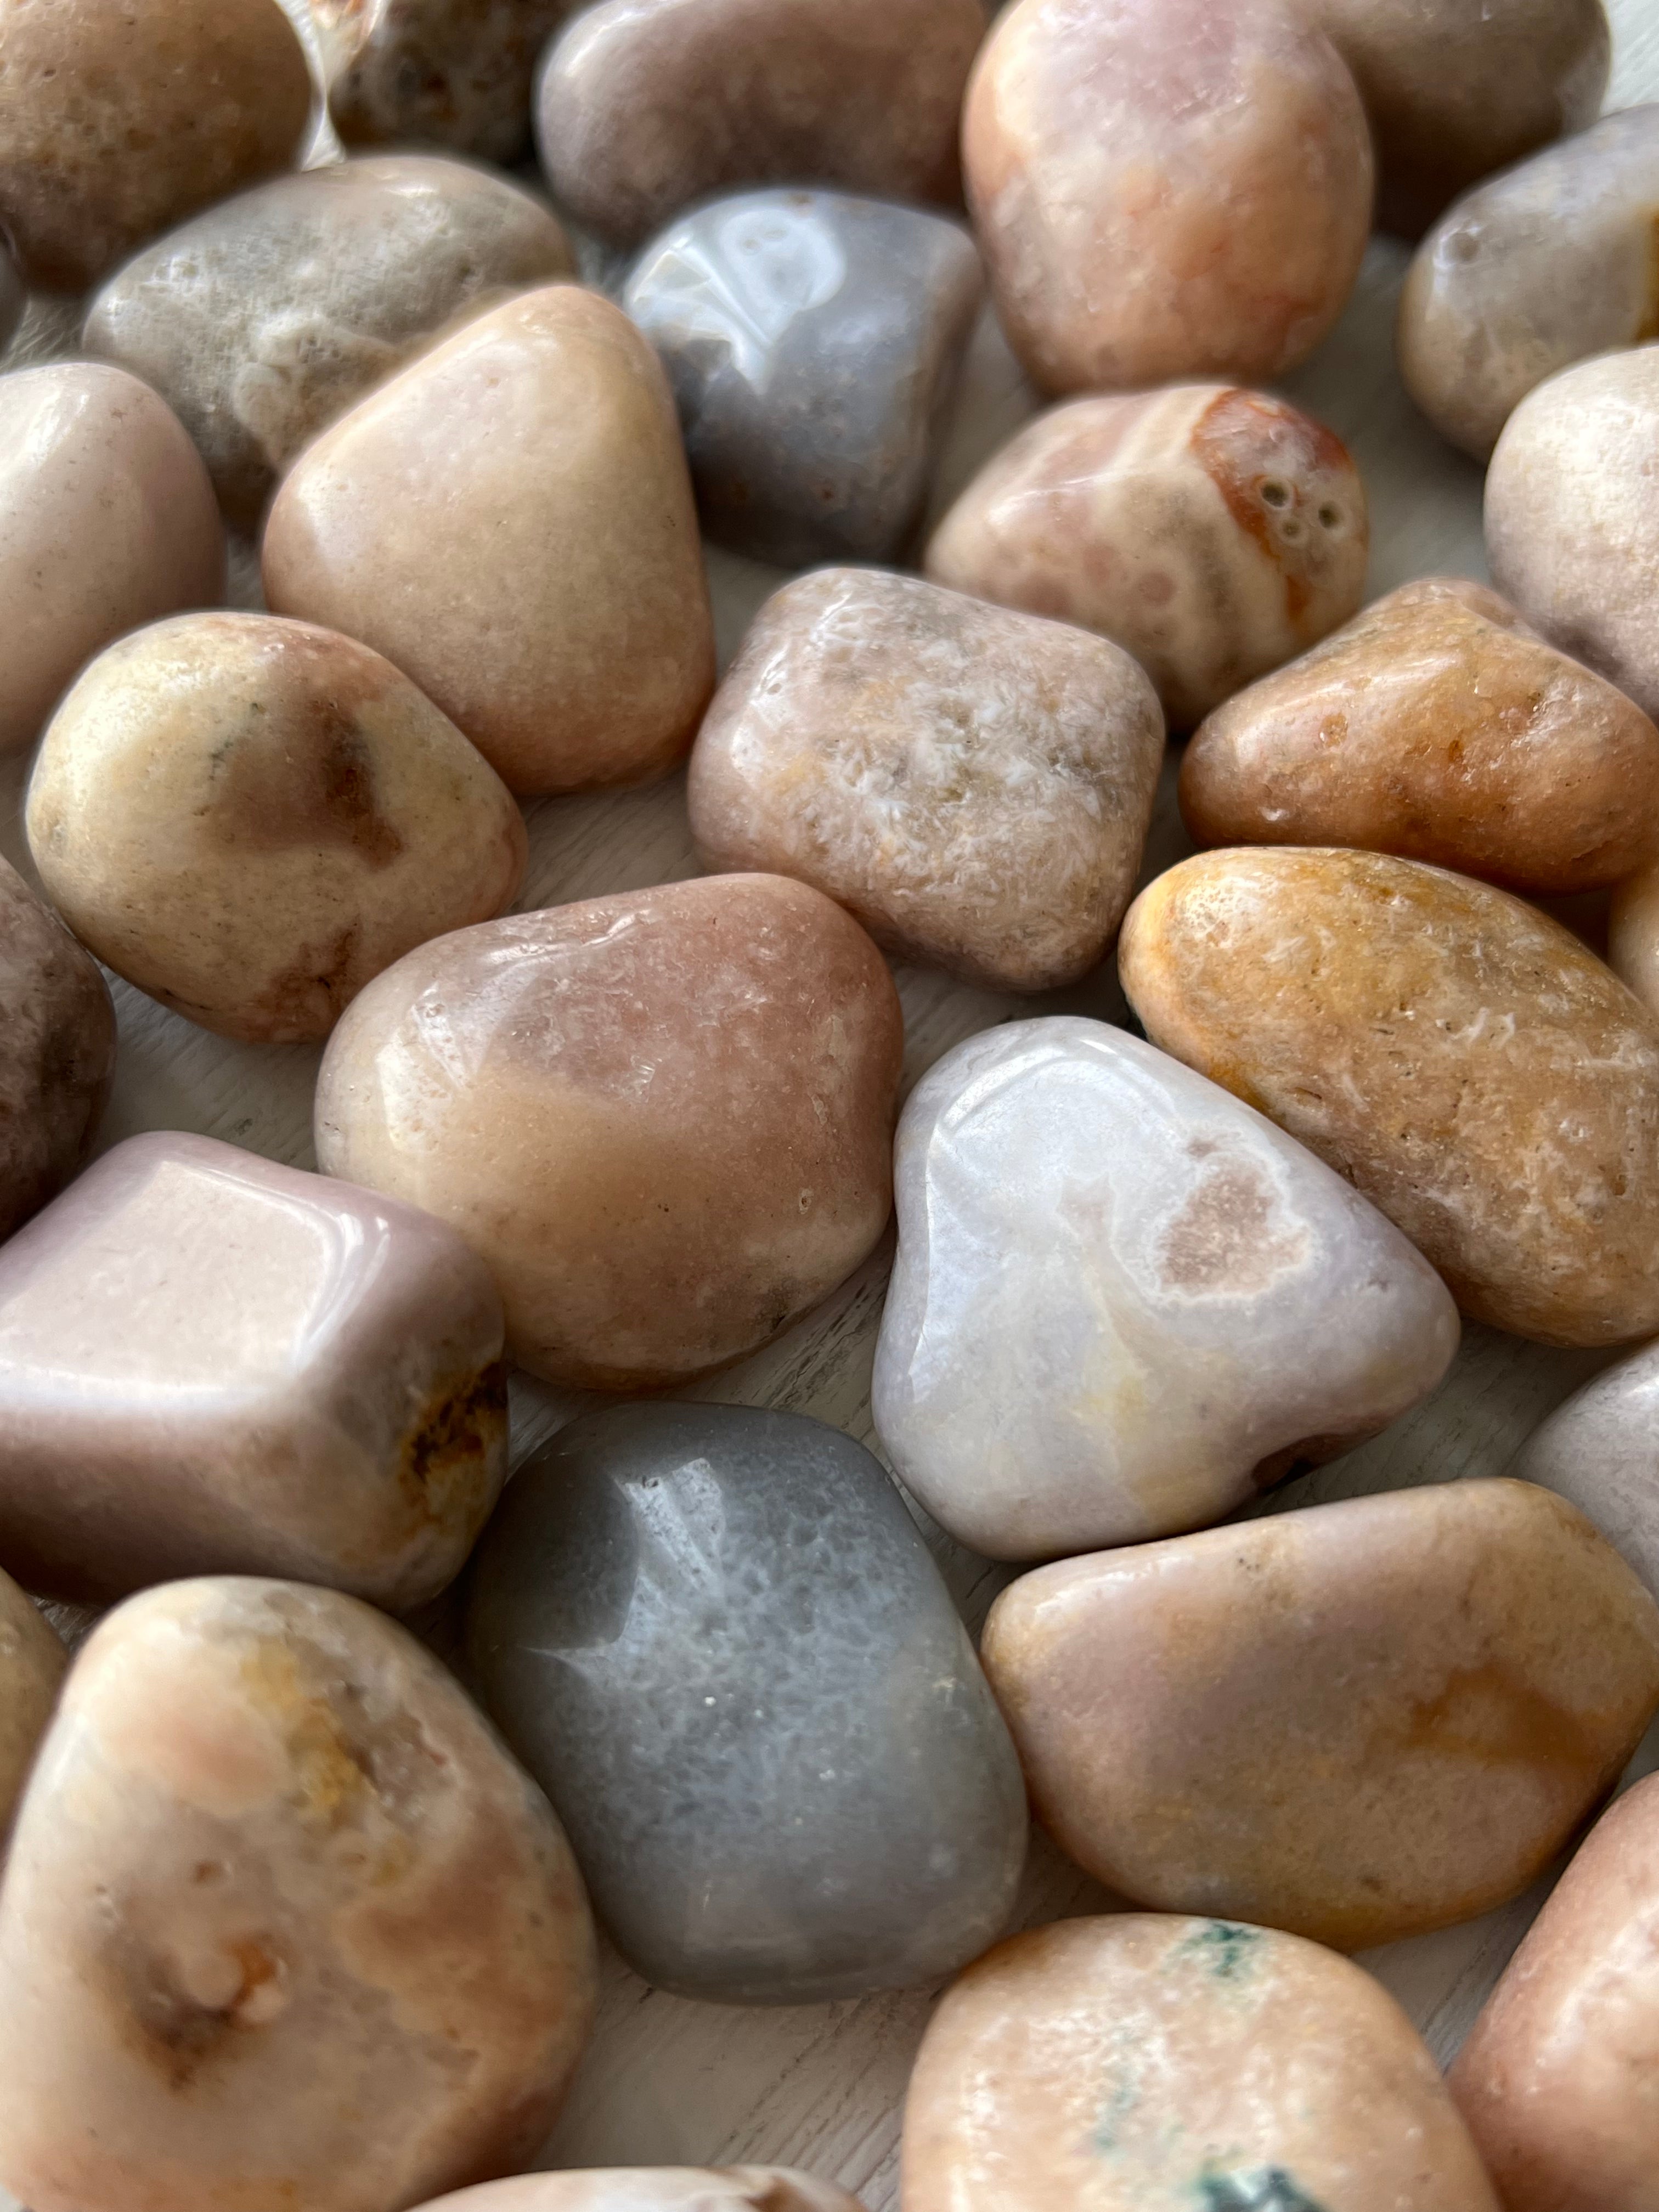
pixel 715 1637
pixel 813 342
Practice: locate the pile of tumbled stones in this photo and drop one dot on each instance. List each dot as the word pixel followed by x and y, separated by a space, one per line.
pixel 286 1926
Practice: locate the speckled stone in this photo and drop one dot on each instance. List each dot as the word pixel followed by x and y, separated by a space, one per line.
pixel 1600 1450
pixel 33 1663
pixel 1123 1303
pixel 283 1923
pixel 656 2188
pixel 813 342
pixel 1462 1059
pixel 249 818
pixel 452 73
pixel 212 1363
pixel 267 318
pixel 974 785
pixel 1359 1722
pixel 640 109
pixel 717 1639
pixel 1145 2064
pixel 1212 532
pixel 57 1052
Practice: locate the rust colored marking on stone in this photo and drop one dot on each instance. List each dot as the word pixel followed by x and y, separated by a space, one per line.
pixel 447 1451
pixel 1488 1714
pixel 1248 445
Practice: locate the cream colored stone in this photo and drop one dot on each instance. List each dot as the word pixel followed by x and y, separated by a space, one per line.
pixel 33 1663
pixel 656 2189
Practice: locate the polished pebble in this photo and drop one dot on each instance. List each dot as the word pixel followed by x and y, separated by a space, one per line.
pixel 640 108
pixel 283 1923
pixel 1601 1450
pixel 56 1053
pixel 267 317
pixel 118 118
pixel 656 2189
pixel 717 1639
pixel 1436 725
pixel 1359 1722
pixel 1462 1059
pixel 250 818
pixel 1212 532
pixel 510 522
pixel 108 520
pixel 664 1117
pixel 974 785
pixel 1633 934
pixel 1123 1303
pixel 33 1663
pixel 450 73
pixel 813 341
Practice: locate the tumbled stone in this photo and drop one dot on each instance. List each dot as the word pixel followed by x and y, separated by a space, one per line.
pixel 1213 532
pixel 813 342
pixel 267 318
pixel 107 521
pixel 974 785
pixel 1149 2064
pixel 1123 1303
pixel 1633 934
pixel 120 117
pixel 510 522
pixel 641 109
pixel 656 2188
pixel 210 1363
pixel 282 1924
pixel 1359 1722
pixel 1466 1062
pixel 56 1053
pixel 1573 527
pixel 1547 264
pixel 716 1637
pixel 33 1663
pixel 1601 1450
pixel 1436 725
pixel 249 818
pixel 1165 188
pixel 665 1117
pixel 1555 2082
pixel 452 73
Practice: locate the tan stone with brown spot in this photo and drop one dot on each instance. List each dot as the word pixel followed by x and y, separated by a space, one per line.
pixel 32 1662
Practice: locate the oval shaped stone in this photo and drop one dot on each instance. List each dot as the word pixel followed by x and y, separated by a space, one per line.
pixel 281 1923
pixel 1439 727
pixel 1550 262
pixel 1123 1303
pixel 1165 188
pixel 656 2188
pixel 510 522
pixel 1357 1721
pixel 455 73
pixel 717 1639
pixel 639 110
pixel 210 1363
pixel 120 117
pixel 108 520
pixel 1212 532
pixel 250 818
pixel 269 316
pixel 1600 1449
pixel 1572 529
pixel 813 342
pixel 1462 1059
pixel 56 1053
pixel 32 1664
pixel 974 785
pixel 665 1117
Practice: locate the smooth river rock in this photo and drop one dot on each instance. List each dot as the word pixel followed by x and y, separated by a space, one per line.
pixel 656 2189
pixel 1462 1059
pixel 1600 1450
pixel 452 73
pixel 1212 532
pixel 640 108
pixel 510 522
pixel 1439 727
pixel 716 1637
pixel 1572 525
pixel 282 1924
pixel 974 785
pixel 32 1664
pixel 120 117
pixel 1359 1722
pixel 1123 1303
pixel 1165 188
pixel 212 1363
pixel 108 520
pixel 249 818
pixel 813 342
pixel 1146 2062
pixel 57 1052
pixel 665 1117
pixel 267 318
pixel 1633 934
pixel 1547 264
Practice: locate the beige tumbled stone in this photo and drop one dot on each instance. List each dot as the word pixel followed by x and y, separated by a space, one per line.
pixel 655 2189
pixel 33 1663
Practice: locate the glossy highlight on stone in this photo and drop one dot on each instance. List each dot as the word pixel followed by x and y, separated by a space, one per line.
pixel 32 1664
pixel 452 73
pixel 656 2189
pixel 1600 1449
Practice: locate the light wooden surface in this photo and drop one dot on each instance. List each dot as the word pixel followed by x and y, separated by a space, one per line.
pixel 667 2080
